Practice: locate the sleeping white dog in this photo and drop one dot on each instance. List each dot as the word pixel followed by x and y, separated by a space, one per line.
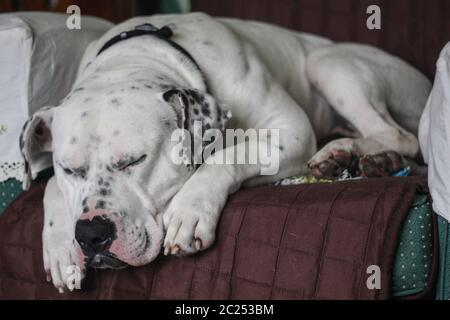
pixel 118 199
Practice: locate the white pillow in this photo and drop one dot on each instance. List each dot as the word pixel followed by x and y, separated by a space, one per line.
pixel 39 59
pixel 434 136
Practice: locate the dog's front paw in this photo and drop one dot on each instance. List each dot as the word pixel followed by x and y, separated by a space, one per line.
pixel 61 263
pixel 383 164
pixel 190 227
pixel 330 164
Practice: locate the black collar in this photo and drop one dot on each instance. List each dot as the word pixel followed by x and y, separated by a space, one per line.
pixel 164 33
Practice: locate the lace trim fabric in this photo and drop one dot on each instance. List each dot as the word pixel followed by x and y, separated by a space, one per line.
pixel 9 170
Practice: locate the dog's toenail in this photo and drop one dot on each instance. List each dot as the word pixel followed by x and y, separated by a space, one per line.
pixel 198 244
pixel 176 250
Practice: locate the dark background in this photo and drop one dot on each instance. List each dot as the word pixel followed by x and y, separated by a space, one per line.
pixel 113 10
pixel 415 30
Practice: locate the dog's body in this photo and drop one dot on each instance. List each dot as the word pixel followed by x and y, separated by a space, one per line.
pixel 111 137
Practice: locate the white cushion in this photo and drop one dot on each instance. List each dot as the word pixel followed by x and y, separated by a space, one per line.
pixel 434 136
pixel 39 59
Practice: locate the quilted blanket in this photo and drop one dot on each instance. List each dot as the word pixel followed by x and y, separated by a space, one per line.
pixel 311 241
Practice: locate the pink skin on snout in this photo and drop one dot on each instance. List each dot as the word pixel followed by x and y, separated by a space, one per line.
pixel 134 245
pixel 135 250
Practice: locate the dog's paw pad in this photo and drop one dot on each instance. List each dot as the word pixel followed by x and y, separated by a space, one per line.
pixel 335 163
pixel 383 164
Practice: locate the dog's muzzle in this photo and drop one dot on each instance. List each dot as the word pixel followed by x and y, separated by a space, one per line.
pixel 95 237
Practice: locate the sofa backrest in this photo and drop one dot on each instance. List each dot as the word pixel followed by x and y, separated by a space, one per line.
pixel 415 30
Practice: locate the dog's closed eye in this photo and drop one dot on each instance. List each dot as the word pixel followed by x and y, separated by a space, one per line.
pixel 78 172
pixel 122 165
pixel 67 171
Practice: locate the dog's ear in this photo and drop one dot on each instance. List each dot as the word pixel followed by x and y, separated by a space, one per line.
pixel 36 144
pixel 193 106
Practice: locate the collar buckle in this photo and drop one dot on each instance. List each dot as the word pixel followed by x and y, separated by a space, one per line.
pixel 148 27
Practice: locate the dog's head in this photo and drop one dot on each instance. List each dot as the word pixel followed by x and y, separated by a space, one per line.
pixel 112 156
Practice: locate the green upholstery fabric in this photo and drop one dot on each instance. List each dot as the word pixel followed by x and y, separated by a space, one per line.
pixel 12 188
pixel 9 190
pixel 443 282
pixel 413 261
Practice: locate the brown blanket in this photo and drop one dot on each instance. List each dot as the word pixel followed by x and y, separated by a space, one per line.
pixel 295 242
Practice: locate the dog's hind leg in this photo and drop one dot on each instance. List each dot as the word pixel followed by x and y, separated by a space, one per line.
pixel 358 93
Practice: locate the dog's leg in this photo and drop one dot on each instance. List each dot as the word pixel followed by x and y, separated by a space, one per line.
pixel 61 263
pixel 350 87
pixel 192 215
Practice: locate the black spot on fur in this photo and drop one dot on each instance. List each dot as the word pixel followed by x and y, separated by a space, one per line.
pixel 219 115
pixel 73 140
pixel 164 86
pixel 245 60
pixel 134 88
pixel 100 204
pixel 104 192
pixel 95 138
pixel 205 110
pixel 115 102
pixel 196 96
pixel 51 224
pixel 81 172
pixel 123 213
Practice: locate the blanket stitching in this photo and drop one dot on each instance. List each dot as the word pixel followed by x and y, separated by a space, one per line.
pixel 357 284
pixel 282 238
pixel 243 215
pixel 325 241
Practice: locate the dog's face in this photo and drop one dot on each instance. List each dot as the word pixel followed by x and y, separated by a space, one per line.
pixel 112 157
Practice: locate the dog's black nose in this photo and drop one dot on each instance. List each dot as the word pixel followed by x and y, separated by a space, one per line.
pixel 96 235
